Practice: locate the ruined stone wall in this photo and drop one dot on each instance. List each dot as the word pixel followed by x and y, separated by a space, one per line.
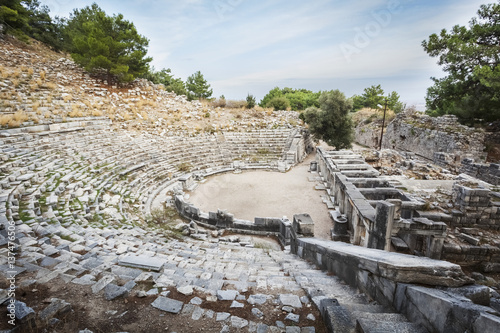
pixel 425 136
pixel 396 280
pixel 489 173
pixel 475 208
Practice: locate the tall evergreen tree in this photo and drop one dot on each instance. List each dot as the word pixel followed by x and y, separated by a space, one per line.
pixel 106 45
pixel 197 86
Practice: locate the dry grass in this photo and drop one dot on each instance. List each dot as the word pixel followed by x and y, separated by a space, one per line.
pixel 67 98
pixel 17 73
pixel 5 74
pixel 30 71
pixel 126 116
pixel 35 106
pixel 42 75
pixel 51 85
pixel 20 116
pixel 49 99
pixel 33 86
pixel 24 68
pixel 76 113
pixel 47 114
pixel 16 82
pixel 368 116
pixel 14 123
pixel 39 82
pixel 233 104
pixel 5 119
pixel 96 113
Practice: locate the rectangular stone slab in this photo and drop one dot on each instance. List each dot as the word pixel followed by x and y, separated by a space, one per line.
pixel 144 262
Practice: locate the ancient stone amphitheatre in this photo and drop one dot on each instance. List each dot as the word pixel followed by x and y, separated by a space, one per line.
pixel 98 231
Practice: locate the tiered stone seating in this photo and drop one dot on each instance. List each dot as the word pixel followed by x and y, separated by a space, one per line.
pixel 76 172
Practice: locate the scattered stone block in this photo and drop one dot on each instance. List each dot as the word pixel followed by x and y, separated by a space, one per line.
pixel 143 262
pixel 167 304
pixel 112 291
pixel 227 295
pixel 291 300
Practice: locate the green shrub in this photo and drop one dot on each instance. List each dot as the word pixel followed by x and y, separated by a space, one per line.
pixel 278 103
pixel 250 101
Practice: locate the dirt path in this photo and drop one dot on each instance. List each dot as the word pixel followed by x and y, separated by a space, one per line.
pixel 266 194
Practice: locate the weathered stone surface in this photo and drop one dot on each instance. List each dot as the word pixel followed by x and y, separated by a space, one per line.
pixel 292 317
pixel 144 262
pixel 222 316
pixel 238 322
pixel 99 285
pixel 56 307
pixel 393 266
pixel 167 304
pixel 23 312
pixel 112 291
pixel 186 290
pixel 291 300
pixel 227 295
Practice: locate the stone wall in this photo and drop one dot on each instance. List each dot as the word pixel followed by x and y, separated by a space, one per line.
pixel 489 173
pixel 375 213
pixel 475 208
pixel 429 292
pixel 425 135
pixel 224 220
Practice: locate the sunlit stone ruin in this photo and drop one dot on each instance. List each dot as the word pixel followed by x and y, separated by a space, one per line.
pixel 98 233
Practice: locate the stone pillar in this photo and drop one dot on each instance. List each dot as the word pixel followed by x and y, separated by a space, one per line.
pixel 380 234
pixel 435 247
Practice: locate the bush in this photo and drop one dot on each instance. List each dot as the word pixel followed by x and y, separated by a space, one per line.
pixel 250 101
pixel 278 103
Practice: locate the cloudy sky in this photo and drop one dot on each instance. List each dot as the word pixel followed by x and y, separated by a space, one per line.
pixel 244 46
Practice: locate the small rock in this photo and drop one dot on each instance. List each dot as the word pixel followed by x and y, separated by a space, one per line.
pixel 196 301
pixel 236 304
pixel 186 290
pixel 256 312
pixel 311 317
pixel 238 322
pixel 226 295
pixel 293 317
pixel 222 316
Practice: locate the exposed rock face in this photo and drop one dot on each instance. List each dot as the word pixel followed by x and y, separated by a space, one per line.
pixel 425 136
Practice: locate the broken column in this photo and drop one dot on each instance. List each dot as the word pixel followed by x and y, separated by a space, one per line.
pixel 380 232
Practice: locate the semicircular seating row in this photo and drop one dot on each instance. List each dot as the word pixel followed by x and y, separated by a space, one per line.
pixel 77 173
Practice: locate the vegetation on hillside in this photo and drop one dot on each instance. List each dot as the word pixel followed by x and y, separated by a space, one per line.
pixel 296 99
pixel 471 58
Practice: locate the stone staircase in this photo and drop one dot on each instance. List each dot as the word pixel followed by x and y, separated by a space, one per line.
pixel 343 308
pixel 190 278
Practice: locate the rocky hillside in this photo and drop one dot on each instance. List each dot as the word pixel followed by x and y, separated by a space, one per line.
pixel 38 86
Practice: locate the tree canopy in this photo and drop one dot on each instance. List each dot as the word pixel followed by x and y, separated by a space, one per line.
pixel 373 96
pixel 198 87
pixel 106 45
pixel 471 58
pixel 298 99
pixel 165 77
pixel 331 122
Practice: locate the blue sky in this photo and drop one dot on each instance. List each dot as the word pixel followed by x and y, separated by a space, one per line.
pixel 244 46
